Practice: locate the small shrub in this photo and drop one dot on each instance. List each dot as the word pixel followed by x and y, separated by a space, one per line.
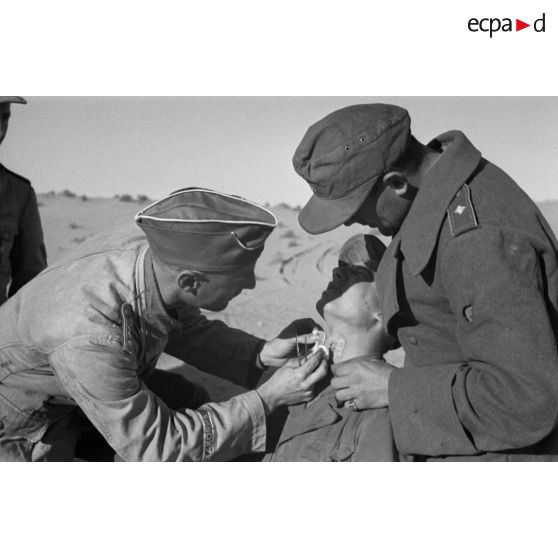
pixel 141 198
pixel 75 226
pixel 125 198
pixel 68 194
pixel 289 234
pixel 84 198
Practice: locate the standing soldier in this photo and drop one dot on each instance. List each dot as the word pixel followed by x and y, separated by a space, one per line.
pixel 83 338
pixel 469 285
pixel 22 249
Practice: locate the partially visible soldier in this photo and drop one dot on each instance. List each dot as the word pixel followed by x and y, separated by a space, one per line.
pixel 22 248
pixel 84 337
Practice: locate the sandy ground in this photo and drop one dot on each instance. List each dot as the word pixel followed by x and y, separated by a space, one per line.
pixel 291 273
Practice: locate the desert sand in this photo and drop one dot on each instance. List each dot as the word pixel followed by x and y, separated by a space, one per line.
pixel 291 273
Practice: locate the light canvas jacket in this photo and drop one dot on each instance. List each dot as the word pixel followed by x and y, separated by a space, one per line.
pixel 64 333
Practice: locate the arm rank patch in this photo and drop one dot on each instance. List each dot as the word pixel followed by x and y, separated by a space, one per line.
pixel 461 213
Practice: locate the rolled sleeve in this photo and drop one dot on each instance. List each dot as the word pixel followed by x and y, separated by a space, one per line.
pixel 103 381
pixel 228 430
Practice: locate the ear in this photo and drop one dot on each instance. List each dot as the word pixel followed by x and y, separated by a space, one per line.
pixel 394 202
pixel 190 281
pixel 397 182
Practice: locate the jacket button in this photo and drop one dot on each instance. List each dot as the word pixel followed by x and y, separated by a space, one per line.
pixel 413 340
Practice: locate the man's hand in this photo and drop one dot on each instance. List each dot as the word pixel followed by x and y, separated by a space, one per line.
pixel 293 384
pixel 277 351
pixel 363 381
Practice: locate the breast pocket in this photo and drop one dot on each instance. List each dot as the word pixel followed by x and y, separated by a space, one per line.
pixel 8 232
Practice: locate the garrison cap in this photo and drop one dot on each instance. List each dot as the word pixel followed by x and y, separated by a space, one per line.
pixel 204 230
pixel 343 156
pixel 16 100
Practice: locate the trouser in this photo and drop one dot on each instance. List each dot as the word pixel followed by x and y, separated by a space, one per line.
pixel 38 427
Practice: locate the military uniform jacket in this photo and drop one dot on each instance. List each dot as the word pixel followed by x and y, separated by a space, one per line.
pixel 22 249
pixel 470 287
pixel 66 335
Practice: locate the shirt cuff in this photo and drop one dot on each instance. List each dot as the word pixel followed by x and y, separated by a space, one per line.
pixel 255 407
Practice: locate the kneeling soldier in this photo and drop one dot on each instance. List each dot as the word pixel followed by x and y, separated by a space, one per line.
pixel 84 337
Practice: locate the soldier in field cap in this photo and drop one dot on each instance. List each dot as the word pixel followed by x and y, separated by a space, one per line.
pixel 79 345
pixel 469 285
pixel 22 249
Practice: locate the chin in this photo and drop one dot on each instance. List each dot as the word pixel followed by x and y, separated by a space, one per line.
pixel 330 310
pixel 217 307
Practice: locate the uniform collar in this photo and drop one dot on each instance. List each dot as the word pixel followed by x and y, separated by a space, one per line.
pixel 420 228
pixel 154 307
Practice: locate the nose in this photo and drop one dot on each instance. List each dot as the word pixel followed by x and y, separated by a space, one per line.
pixel 338 274
pixel 250 282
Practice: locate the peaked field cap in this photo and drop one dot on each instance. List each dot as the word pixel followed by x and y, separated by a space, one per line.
pixel 343 156
pixel 205 230
pixel 16 100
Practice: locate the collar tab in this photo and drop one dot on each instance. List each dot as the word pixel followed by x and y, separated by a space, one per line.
pixel 420 230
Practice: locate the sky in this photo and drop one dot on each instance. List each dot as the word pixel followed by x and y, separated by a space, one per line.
pixel 105 146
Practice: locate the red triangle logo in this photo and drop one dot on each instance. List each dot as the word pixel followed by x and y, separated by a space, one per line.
pixel 519 25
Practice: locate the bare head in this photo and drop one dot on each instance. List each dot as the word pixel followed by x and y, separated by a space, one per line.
pixel 351 303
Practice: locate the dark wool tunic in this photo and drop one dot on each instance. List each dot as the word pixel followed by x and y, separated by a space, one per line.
pixel 470 287
pixel 22 249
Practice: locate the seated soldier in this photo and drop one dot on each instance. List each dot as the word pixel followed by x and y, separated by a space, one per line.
pixel 322 430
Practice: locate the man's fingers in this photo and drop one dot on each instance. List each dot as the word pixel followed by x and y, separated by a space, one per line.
pixel 339 383
pixel 298 328
pixel 345 395
pixel 309 366
pixel 304 339
pixel 339 370
pixel 319 374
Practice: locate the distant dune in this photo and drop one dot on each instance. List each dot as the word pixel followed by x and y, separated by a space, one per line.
pixel 292 272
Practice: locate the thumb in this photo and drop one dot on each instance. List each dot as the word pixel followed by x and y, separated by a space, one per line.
pixel 319 374
pixel 310 365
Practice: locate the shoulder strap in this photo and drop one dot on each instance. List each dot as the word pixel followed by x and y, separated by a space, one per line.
pixel 461 211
